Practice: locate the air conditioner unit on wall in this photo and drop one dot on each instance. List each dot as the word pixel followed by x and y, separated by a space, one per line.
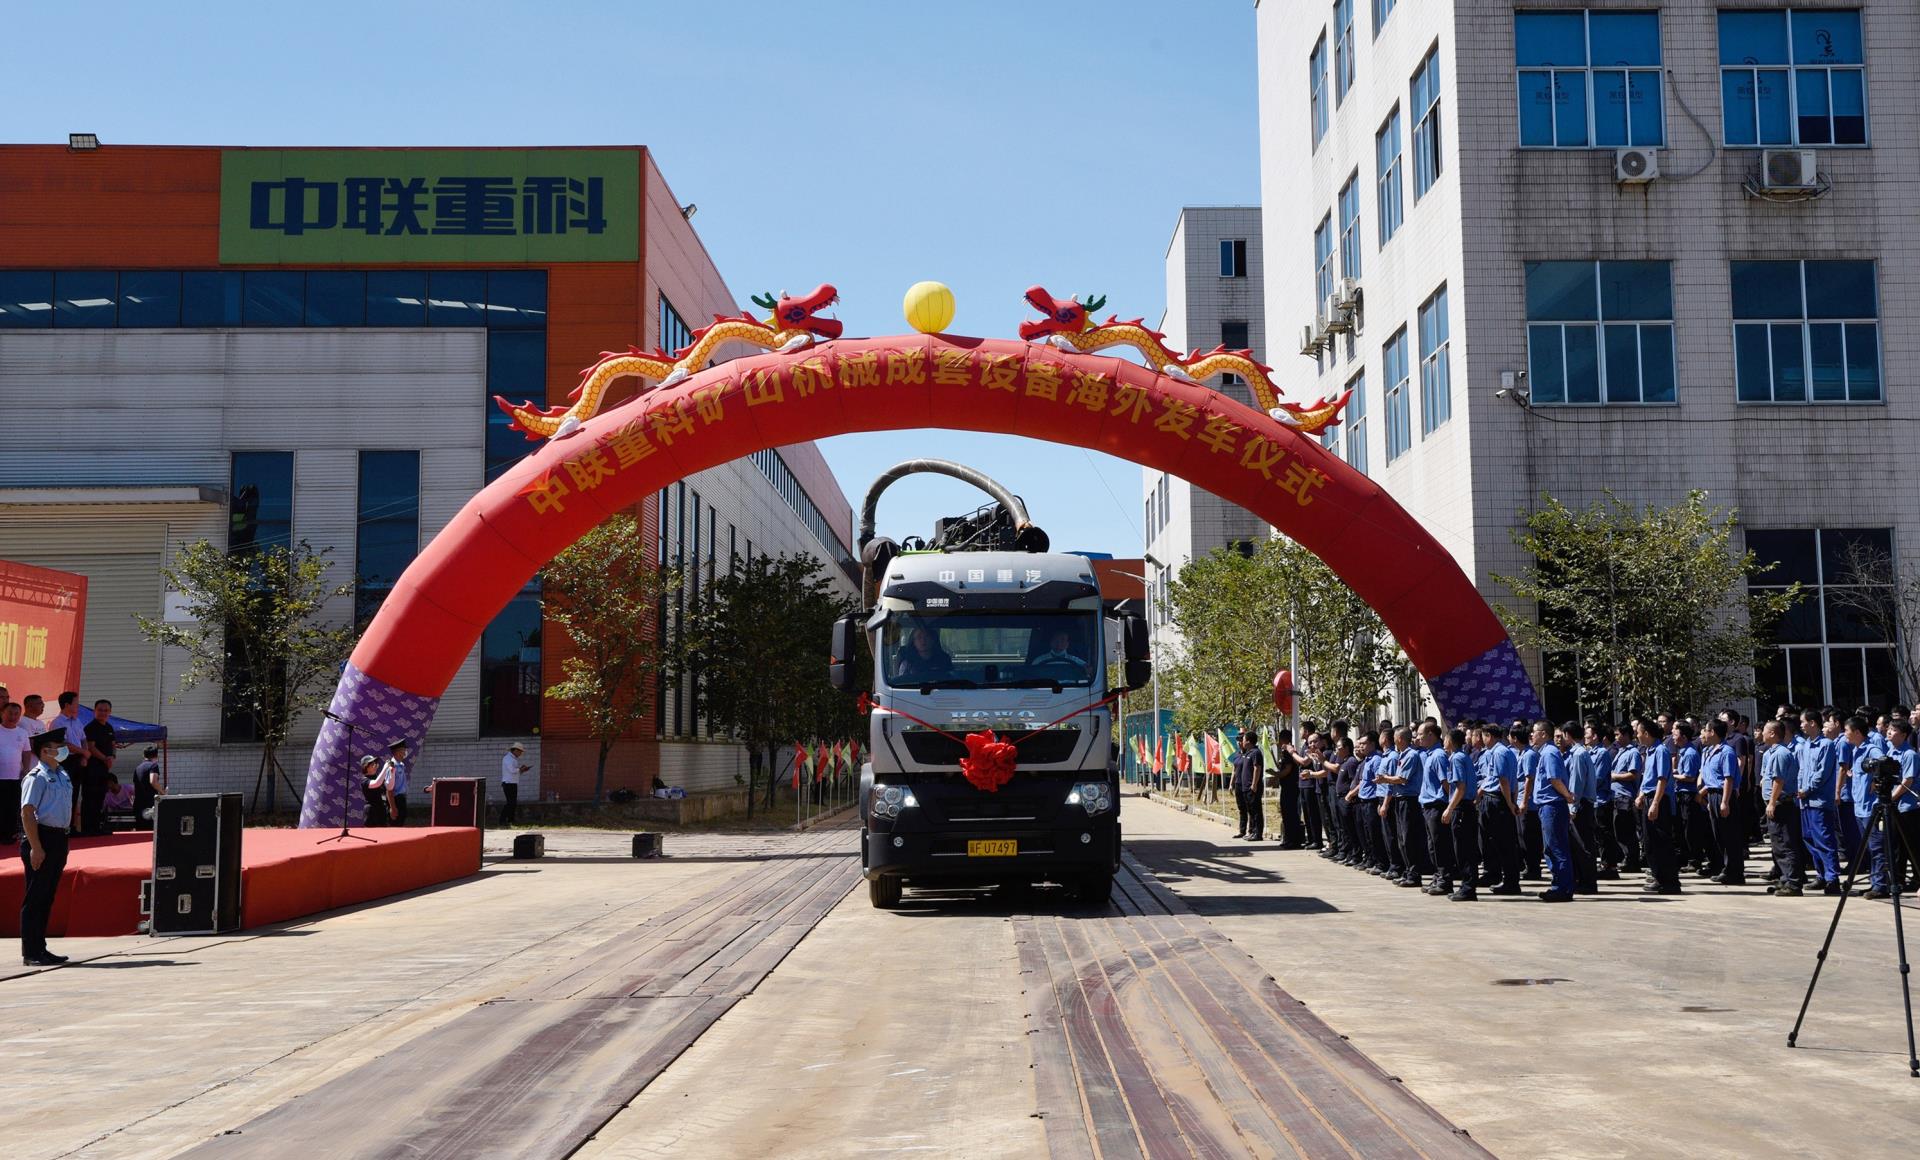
pixel 1338 318
pixel 1309 343
pixel 1347 296
pixel 1635 166
pixel 1789 169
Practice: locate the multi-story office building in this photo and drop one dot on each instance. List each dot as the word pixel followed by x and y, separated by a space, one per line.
pixel 254 346
pixel 1612 248
pixel 1214 298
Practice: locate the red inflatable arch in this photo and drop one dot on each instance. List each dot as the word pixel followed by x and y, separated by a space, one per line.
pixel 511 529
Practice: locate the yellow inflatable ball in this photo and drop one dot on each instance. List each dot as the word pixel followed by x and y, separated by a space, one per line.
pixel 928 307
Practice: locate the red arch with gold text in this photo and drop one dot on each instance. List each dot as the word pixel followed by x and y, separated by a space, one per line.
pixel 507 532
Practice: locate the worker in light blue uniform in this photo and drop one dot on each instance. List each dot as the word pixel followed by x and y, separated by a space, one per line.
pixel 1903 826
pixel 1779 784
pixel 1372 797
pixel 1866 750
pixel 1819 807
pixel 1527 832
pixel 1654 801
pixel 1360 809
pixel 46 820
pixel 1500 810
pixel 1462 816
pixel 1720 799
pixel 1403 786
pixel 1624 776
pixel 1432 795
pixel 1691 832
pixel 1551 801
pixel 1849 848
pixel 1584 782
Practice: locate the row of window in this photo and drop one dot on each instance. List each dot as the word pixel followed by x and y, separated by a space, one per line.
pixel 1594 79
pixel 787 486
pixel 1432 332
pixel 1602 332
pixel 1159 508
pixel 500 300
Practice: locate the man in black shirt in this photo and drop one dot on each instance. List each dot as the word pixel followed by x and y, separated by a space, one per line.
pixel 93 778
pixel 1249 772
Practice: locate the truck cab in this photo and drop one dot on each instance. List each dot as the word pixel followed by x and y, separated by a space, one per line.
pixel 1011 642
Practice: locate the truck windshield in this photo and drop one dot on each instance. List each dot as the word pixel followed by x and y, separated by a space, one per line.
pixel 981 649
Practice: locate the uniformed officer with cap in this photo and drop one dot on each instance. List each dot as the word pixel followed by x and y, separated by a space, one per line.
pixel 393 780
pixel 46 816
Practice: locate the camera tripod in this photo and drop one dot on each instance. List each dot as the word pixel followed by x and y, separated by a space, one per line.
pixel 1882 824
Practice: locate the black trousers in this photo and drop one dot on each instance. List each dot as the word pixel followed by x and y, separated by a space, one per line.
pixel 1500 841
pixel 1253 814
pixel 507 811
pixel 1586 848
pixel 1611 854
pixel 1290 812
pixel 36 903
pixel 1439 836
pixel 1413 837
pixel 1532 847
pixel 1693 833
pixel 399 810
pixel 1903 824
pixel 9 809
pixel 376 809
pixel 1783 835
pixel 1310 805
pixel 1626 834
pixel 93 798
pixel 1387 829
pixel 1466 843
pixel 1729 832
pixel 1656 838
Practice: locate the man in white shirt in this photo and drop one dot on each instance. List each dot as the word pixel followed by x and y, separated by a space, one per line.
pixel 511 768
pixel 33 717
pixel 16 757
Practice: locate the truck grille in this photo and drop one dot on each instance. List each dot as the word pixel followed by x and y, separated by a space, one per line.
pixel 1037 747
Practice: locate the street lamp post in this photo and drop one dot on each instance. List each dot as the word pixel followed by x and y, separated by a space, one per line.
pixel 1154 621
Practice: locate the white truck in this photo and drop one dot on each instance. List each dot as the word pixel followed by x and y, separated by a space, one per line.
pixel 1003 639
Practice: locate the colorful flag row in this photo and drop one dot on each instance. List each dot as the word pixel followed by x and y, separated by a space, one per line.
pixel 819 760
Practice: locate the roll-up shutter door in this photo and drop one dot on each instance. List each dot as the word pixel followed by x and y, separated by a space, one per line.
pixel 121 561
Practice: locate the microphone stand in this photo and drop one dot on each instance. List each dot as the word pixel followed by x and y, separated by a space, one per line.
pixel 346 804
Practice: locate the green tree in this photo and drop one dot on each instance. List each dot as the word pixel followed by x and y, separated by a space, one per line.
pixel 759 642
pixel 256 629
pixel 1244 614
pixel 1642 608
pixel 605 593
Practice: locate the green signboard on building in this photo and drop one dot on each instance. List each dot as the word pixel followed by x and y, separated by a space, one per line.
pixel 364 206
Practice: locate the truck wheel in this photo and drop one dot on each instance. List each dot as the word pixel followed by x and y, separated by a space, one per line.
pixel 884 893
pixel 1095 888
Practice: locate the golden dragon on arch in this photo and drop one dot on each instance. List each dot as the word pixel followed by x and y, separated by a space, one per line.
pixel 1069 325
pixel 795 325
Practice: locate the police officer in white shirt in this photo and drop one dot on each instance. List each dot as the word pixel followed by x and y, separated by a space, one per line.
pixel 46 814
pixel 511 768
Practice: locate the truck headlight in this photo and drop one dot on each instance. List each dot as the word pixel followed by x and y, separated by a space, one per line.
pixel 888 800
pixel 1096 797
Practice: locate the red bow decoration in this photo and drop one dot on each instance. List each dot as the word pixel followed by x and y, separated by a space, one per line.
pixel 988 764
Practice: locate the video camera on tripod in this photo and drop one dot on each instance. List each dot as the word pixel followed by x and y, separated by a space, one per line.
pixel 1885 772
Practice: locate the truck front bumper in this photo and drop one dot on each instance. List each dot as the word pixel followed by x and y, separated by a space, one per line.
pixel 1092 845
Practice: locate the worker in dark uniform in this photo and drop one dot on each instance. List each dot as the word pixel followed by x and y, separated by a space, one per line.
pixel 1719 800
pixel 1249 780
pixel 1583 778
pixel 1625 775
pixel 1499 812
pixel 1462 816
pixel 46 817
pixel 1779 782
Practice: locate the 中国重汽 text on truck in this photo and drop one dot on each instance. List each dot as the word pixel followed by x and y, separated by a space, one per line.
pixel 979 632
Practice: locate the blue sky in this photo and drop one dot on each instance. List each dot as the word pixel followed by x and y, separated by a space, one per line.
pixel 988 145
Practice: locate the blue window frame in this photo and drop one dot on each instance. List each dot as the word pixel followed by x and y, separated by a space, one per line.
pixel 85 297
pixel 1424 103
pixel 1399 407
pixel 1355 422
pixel 1322 261
pixel 336 298
pixel 274 298
pixel 456 298
pixel 1233 257
pixel 1386 160
pixel 387 527
pixel 1317 88
pixel 675 334
pixel 1350 226
pixel 210 298
pixel 1381 10
pixel 259 501
pixel 396 298
pixel 516 370
pixel 1342 49
pixel 26 299
pixel 1599 332
pixel 149 298
pixel 1589 79
pixel 517 299
pixel 1792 77
pixel 510 669
pixel 1806 332
pixel 1436 370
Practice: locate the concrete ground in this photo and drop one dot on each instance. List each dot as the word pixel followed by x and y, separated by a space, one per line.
pixel 1661 1033
pixel 1654 1026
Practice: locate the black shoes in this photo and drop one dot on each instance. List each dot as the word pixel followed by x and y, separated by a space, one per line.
pixel 1556 896
pixel 1509 891
pixel 1609 874
pixel 1660 890
pixel 43 960
pixel 1830 889
pixel 1784 890
pixel 1464 894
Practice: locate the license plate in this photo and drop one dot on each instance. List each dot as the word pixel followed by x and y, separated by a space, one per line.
pixel 993 849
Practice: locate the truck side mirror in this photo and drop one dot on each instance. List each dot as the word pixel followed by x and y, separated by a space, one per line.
pixel 843 652
pixel 1137 647
pixel 1138 674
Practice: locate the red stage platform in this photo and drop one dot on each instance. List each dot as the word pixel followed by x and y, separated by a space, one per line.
pixel 284 874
